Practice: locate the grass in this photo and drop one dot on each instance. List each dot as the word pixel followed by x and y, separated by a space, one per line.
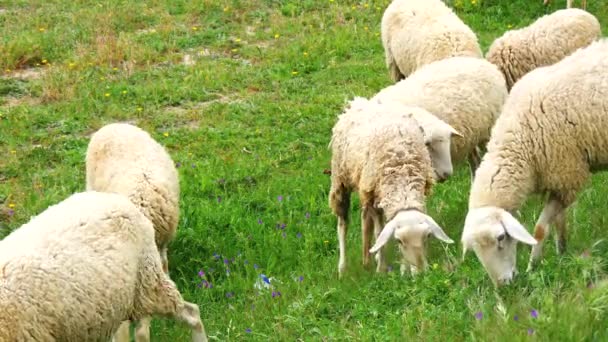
pixel 244 94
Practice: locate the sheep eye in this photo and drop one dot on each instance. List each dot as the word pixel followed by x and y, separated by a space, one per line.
pixel 501 237
pixel 428 143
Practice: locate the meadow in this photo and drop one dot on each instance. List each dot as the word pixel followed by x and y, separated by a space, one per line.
pixel 243 94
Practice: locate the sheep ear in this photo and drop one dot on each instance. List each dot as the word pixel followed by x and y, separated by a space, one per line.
pixel 516 230
pixel 437 231
pixel 455 133
pixel 385 235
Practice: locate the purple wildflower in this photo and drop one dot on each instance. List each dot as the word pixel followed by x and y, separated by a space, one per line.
pixel 201 273
pixel 280 198
pixel 307 216
pixel 479 315
pixel 283 225
pixel 276 294
pixel 178 164
pixel 216 256
pixel 226 261
pixel 299 235
pixel 246 262
pixel 530 331
pixel 516 318
pixel 534 313
pixel 301 278
pixel 10 212
pixel 248 330
pixel 256 266
pixel 229 294
pixel 204 283
pixel 265 279
pixel 260 221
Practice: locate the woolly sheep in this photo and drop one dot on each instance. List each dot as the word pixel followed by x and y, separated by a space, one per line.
pixel 418 32
pixel 81 267
pixel 437 135
pixel 378 149
pixel 546 41
pixel 124 159
pixel 551 136
pixel 465 92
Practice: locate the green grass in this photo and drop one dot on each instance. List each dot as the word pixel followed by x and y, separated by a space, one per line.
pixel 250 121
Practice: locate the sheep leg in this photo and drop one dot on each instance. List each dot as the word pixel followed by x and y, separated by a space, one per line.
pixel 474 161
pixel 560 228
pixel 553 208
pixel 569 4
pixel 366 227
pixel 122 334
pixel 381 266
pixel 142 330
pixel 168 302
pixel 164 259
pixel 584 4
pixel 339 201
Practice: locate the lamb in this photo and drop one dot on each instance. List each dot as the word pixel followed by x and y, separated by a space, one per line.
pixel 549 139
pixel 546 41
pixel 378 149
pixel 418 32
pixel 81 267
pixel 465 92
pixel 124 159
pixel 569 3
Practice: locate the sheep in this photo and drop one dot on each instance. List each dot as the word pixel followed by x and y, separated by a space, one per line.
pixel 546 41
pixel 418 32
pixel 124 159
pixel 569 3
pixel 81 267
pixel 549 139
pixel 465 92
pixel 378 149
pixel 437 135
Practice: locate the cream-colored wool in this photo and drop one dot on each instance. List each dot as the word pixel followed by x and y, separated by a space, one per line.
pixel 418 32
pixel 81 267
pixel 546 41
pixel 551 136
pixel 465 92
pixel 378 150
pixel 124 159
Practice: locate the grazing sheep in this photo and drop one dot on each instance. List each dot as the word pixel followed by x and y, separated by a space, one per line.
pixel 437 134
pixel 546 41
pixel 418 32
pixel 569 3
pixel 551 136
pixel 81 267
pixel 124 159
pixel 465 92
pixel 378 149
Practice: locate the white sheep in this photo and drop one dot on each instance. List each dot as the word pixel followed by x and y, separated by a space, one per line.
pixel 438 134
pixel 81 267
pixel 418 32
pixel 465 92
pixel 546 41
pixel 551 136
pixel 124 159
pixel 378 149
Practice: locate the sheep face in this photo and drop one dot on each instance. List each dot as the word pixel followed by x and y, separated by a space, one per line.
pixel 493 234
pixel 437 138
pixel 411 229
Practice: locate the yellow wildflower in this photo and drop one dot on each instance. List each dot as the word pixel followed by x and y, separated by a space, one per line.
pixel 11 205
pixel 294 73
pixel 106 94
pixel 166 134
pixel 276 36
